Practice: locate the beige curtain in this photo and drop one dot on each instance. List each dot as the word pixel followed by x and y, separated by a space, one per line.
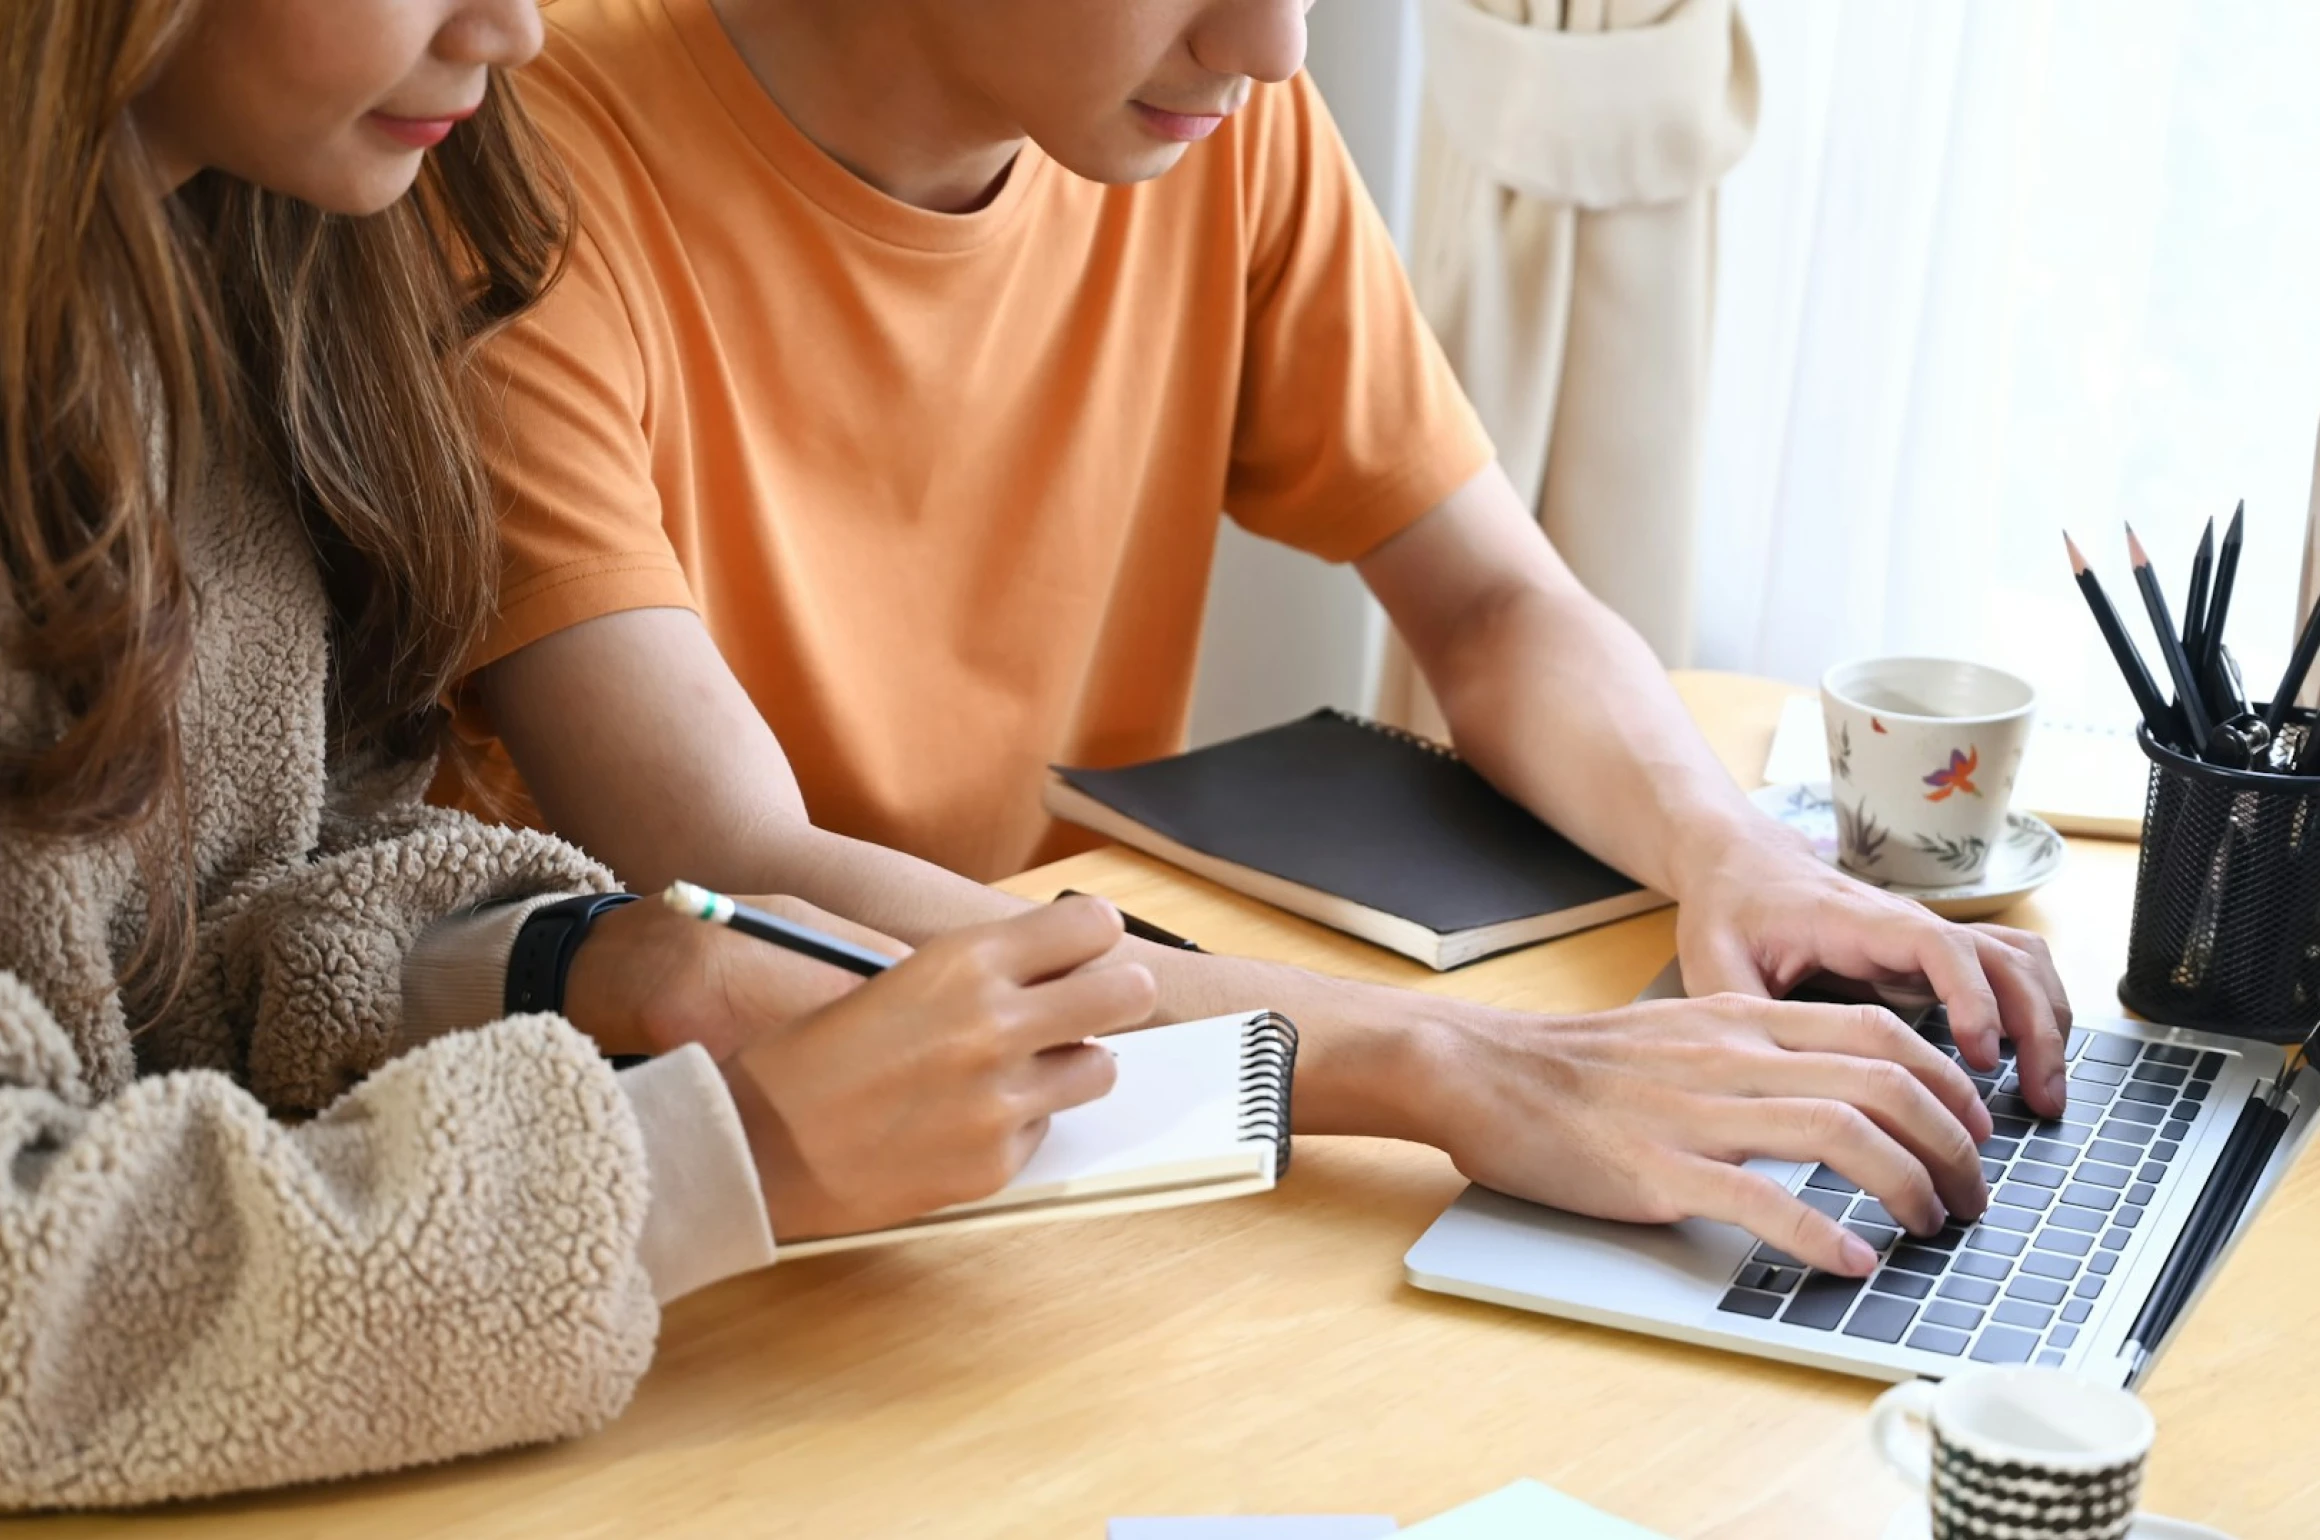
pixel 1563 249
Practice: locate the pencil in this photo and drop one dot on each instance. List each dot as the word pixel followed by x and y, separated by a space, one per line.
pixel 2299 664
pixel 2195 609
pixel 2156 714
pixel 717 909
pixel 2171 647
pixel 2219 605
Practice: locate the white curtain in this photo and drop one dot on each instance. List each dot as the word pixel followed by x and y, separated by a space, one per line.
pixel 1996 268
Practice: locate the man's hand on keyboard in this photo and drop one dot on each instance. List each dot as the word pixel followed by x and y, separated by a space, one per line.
pixel 1761 914
pixel 1645 1113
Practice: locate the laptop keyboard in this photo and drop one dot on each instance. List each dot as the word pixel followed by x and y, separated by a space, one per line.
pixel 2065 1199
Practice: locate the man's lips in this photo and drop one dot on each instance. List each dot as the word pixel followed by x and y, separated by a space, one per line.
pixel 1182 127
pixel 420 133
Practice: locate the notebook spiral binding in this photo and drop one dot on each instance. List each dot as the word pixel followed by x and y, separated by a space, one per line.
pixel 1268 1066
pixel 1399 734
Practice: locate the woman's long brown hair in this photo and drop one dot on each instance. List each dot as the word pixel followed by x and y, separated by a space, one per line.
pixel 149 342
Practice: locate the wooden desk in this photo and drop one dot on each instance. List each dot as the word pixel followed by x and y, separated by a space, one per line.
pixel 1265 1356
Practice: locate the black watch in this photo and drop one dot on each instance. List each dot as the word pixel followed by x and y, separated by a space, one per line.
pixel 545 947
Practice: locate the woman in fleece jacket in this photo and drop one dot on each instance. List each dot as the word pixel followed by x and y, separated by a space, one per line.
pixel 280 1199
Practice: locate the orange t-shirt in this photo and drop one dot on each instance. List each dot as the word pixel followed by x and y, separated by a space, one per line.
pixel 944 488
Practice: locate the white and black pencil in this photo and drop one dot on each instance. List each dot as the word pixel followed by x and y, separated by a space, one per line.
pixel 717 909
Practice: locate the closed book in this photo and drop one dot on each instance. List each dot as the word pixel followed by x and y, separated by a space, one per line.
pixel 1362 827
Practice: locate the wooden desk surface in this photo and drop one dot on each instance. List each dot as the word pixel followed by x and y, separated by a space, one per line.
pixel 1264 1355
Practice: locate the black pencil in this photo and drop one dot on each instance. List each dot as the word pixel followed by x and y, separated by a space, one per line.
pixel 804 940
pixel 2187 695
pixel 2195 609
pixel 2299 664
pixel 2153 705
pixel 2226 570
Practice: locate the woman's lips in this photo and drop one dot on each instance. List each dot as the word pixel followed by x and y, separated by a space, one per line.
pixel 419 133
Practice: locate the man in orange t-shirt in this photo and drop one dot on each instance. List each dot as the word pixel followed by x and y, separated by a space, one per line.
pixel 869 457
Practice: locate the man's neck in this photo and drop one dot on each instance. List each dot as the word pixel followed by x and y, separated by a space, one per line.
pixel 858 79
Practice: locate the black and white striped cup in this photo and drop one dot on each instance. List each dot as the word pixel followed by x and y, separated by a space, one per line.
pixel 2018 1454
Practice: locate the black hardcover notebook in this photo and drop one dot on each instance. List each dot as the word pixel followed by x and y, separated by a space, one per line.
pixel 1363 827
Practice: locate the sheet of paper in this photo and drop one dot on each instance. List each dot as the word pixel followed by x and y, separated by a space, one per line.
pixel 2081 777
pixel 1323 1526
pixel 1527 1510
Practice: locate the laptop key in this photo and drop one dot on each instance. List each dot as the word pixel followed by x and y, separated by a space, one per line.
pixel 2044 1291
pixel 1919 1259
pixel 1995 1148
pixel 2051 1150
pixel 2038 1173
pixel 1939 1339
pixel 2048 1264
pixel 2170 1053
pixel 2089 1287
pixel 2161 1074
pixel 1749 1302
pixel 1877 1236
pixel 1980 1264
pixel 1993 1171
pixel 2073 1043
pixel 2098 1074
pixel 2091 1093
pixel 2001 1217
pixel 2070 1243
pixel 2110 1048
pixel 2176 1130
pixel 2008 1105
pixel 2014 1312
pixel 2129 1215
pixel 2116 1239
pixel 2049 1359
pixel 1895 1281
pixel 1832 1204
pixel 1752 1276
pixel 1974 1291
pixel 2186 1112
pixel 2019 1196
pixel 2102 1173
pixel 1870 1212
pixel 2102 1262
pixel 2152 1171
pixel 2077 1311
pixel 2062 1336
pixel 2005 1243
pixel 2003 1345
pixel 2138 1112
pixel 1774 1255
pixel 2111 1150
pixel 1822 1301
pixel 2210 1065
pixel 1881 1318
pixel 2071 1216
pixel 2195 1092
pixel 2011 1127
pixel 2082 1196
pixel 1946 1240
pixel 2164 1150
pixel 1951 1313
pixel 2119 1131
pixel 1827 1180
pixel 2141 1193
pixel 2139 1091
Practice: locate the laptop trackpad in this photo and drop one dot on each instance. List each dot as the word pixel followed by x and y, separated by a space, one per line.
pixel 1490 1246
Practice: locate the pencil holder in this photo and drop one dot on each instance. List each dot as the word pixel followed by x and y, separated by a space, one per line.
pixel 2226 935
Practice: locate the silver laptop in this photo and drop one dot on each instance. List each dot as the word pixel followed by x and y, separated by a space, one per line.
pixel 2075 1265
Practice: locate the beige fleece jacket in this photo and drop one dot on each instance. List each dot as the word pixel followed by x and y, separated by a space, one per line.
pixel 269 1240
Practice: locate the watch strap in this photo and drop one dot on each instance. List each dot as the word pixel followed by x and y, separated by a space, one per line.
pixel 542 956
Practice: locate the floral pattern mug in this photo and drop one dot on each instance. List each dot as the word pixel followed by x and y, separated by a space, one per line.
pixel 1923 753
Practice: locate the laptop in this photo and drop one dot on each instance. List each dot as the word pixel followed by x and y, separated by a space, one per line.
pixel 2102 1228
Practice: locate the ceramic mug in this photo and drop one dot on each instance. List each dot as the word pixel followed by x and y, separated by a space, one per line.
pixel 1922 758
pixel 2018 1454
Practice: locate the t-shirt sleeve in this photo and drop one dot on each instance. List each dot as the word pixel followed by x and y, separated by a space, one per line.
pixel 1350 424
pixel 566 436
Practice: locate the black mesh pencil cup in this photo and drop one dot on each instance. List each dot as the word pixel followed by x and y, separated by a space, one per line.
pixel 2226 935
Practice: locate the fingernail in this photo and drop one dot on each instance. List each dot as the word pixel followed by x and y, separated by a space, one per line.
pixel 2058 1087
pixel 1860 1260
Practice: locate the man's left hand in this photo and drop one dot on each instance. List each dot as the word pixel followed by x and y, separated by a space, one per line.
pixel 1761 914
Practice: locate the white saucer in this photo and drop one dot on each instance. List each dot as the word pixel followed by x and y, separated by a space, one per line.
pixel 1910 1524
pixel 2027 856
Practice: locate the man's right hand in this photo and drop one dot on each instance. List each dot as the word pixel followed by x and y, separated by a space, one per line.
pixel 933 1083
pixel 1645 1114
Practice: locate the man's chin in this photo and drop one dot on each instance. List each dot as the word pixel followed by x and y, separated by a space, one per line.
pixel 1119 163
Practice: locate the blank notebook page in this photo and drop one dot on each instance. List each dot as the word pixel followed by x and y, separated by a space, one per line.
pixel 1174 1116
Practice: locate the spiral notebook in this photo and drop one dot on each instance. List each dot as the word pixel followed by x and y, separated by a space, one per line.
pixel 1363 827
pixel 1200 1112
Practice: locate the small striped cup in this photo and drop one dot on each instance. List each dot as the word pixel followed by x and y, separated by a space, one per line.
pixel 2018 1454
